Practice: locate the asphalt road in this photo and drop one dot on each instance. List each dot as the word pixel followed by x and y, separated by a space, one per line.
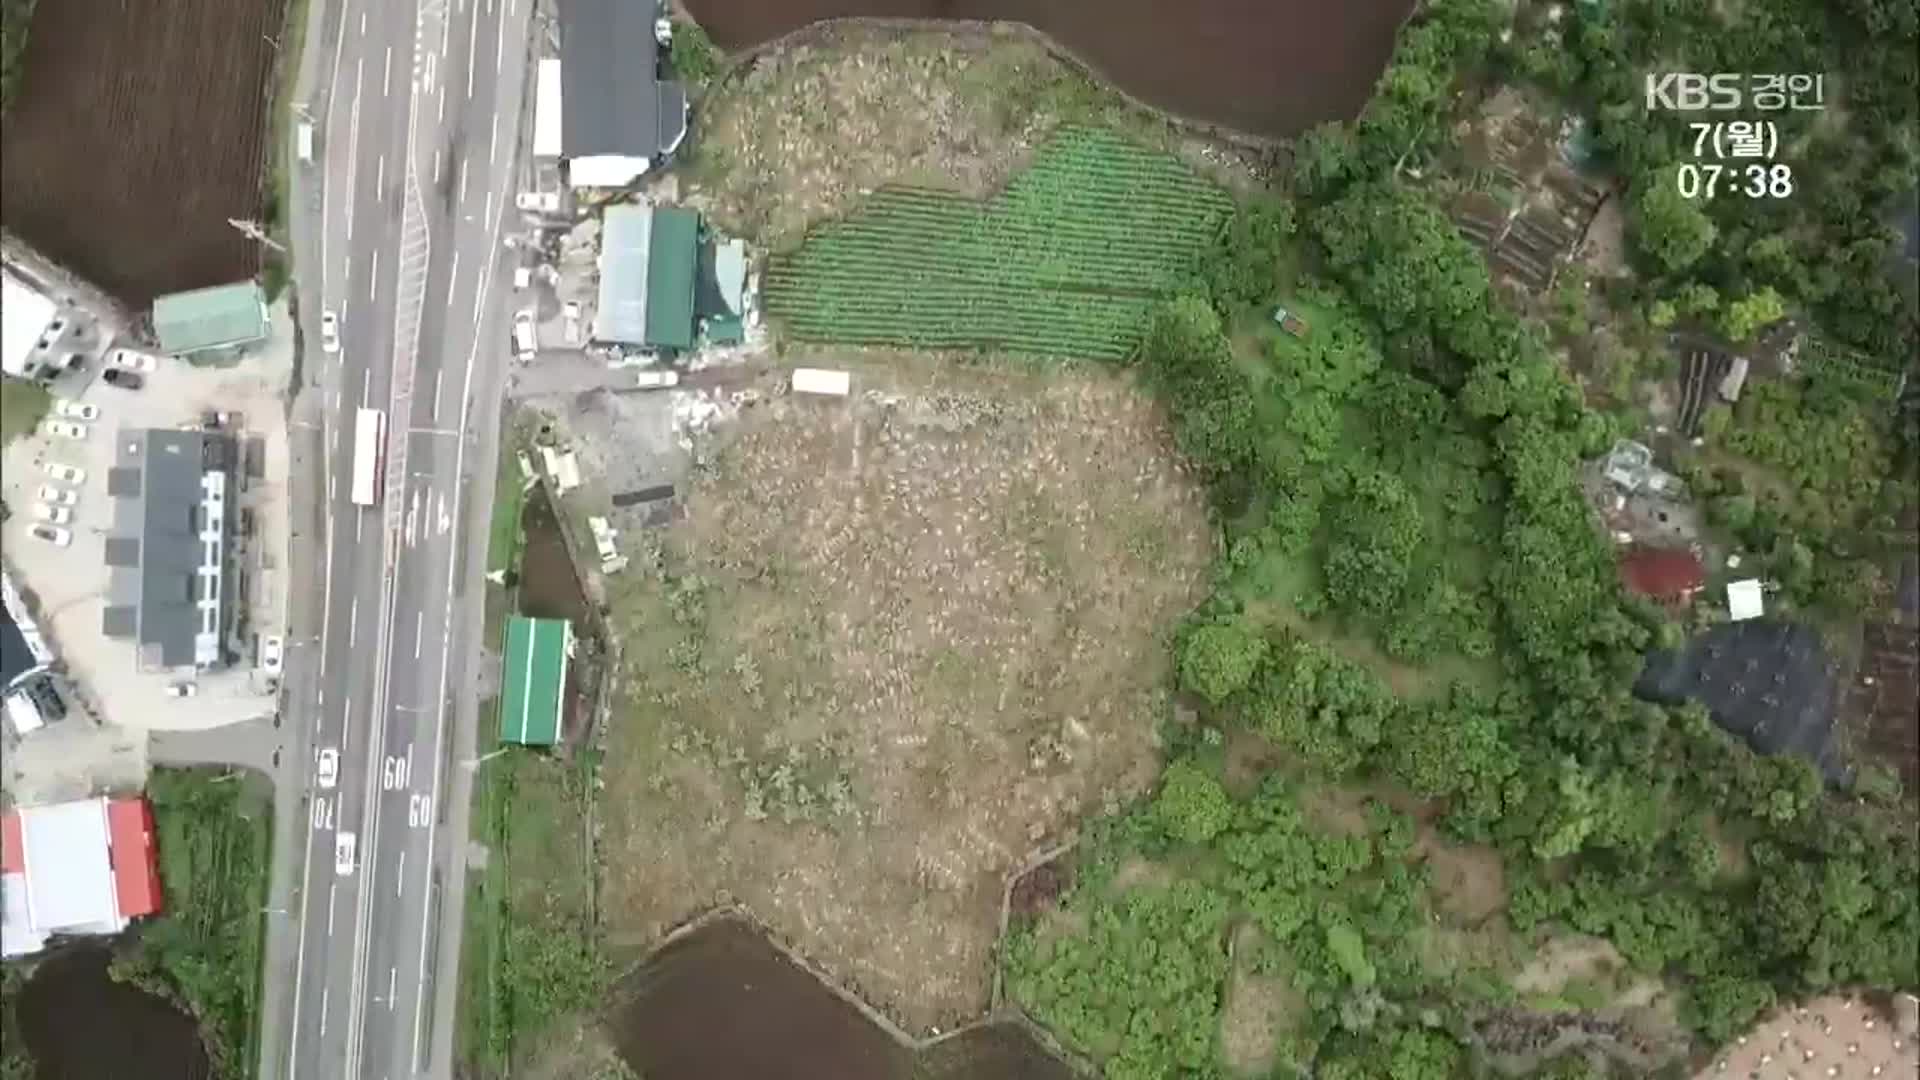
pixel 417 135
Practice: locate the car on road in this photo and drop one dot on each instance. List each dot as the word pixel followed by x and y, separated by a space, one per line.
pixel 125 380
pixel 131 360
pixel 58 496
pixel 329 333
pixel 52 534
pixel 77 410
pixel 328 771
pixel 66 474
pixel 655 380
pixel 273 653
pixel 66 429
pixel 53 515
pixel 523 341
pixel 183 689
pixel 343 853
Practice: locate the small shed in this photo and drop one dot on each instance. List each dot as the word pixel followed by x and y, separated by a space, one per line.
pixel 1744 600
pixel 534 677
pixel 220 317
pixel 821 381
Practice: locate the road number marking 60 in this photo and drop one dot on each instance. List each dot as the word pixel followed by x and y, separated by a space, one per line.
pixel 419 809
pixel 393 775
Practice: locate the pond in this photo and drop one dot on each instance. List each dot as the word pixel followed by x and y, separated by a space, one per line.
pixel 723 1003
pixel 1269 67
pixel 72 1002
pixel 550 589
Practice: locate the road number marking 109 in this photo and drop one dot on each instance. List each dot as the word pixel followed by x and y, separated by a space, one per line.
pixel 393 774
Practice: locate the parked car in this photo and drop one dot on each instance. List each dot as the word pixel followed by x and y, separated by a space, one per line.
pixel 52 534
pixel 329 333
pixel 523 340
pixel 655 380
pixel 66 474
pixel 343 853
pixel 272 654
pixel 58 496
pixel 131 360
pixel 66 429
pixel 124 379
pixel 52 515
pixel 571 311
pixel 183 689
pixel 77 410
pixel 329 770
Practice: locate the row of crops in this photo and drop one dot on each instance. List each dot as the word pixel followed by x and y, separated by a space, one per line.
pixel 1066 261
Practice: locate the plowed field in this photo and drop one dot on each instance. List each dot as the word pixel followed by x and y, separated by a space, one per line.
pixel 137 133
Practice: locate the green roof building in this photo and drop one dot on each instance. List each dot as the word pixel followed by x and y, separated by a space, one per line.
pixel 649 257
pixel 219 317
pixel 534 674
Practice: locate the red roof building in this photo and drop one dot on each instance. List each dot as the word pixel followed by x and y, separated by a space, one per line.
pixel 1669 575
pixel 82 867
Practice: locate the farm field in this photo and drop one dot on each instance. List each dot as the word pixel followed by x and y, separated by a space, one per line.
pixel 1067 261
pixel 137 131
pixel 1270 69
pixel 900 643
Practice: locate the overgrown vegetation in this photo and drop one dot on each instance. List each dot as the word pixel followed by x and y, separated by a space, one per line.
pixel 16 17
pixel 213 830
pixel 15 1063
pixel 23 404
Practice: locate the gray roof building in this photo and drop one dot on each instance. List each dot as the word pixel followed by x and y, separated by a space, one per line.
pixel 23 650
pixel 614 102
pixel 167 556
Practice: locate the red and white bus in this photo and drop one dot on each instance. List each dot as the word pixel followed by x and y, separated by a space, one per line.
pixel 369 455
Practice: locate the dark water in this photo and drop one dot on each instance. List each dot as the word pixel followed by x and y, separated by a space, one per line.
pixel 79 1024
pixel 549 589
pixel 1271 67
pixel 724 1004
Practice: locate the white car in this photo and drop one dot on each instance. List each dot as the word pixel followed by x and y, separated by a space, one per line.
pixel 272 654
pixel 571 311
pixel 52 534
pixel 523 340
pixel 58 496
pixel 655 380
pixel 66 429
pixel 343 853
pixel 329 333
pixel 53 515
pixel 183 689
pixel 66 474
pixel 77 410
pixel 131 360
pixel 329 768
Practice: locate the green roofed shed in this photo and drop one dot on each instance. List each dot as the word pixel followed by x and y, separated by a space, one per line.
pixel 673 260
pixel 535 677
pixel 219 317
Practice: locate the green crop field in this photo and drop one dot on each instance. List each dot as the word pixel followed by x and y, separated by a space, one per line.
pixel 1065 262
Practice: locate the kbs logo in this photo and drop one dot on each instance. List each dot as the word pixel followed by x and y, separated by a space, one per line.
pixel 1687 91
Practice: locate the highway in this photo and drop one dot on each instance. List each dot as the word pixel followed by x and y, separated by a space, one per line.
pixel 417 133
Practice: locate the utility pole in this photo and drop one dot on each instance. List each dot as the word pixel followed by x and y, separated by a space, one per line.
pixel 252 231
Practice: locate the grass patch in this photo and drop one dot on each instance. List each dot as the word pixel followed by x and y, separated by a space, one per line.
pixel 14 1062
pixel 532 954
pixel 22 406
pixel 276 268
pixel 214 828
pixel 504 538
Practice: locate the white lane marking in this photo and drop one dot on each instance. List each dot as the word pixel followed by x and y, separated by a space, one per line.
pixel 329 487
pixel 436 166
pixel 500 46
pixel 331 890
pixel 349 267
pixel 346 726
pixel 386 79
pixel 489 214
pixel 442 109
pixel 373 283
pixel 509 7
pixel 353 621
pixel 453 279
pixel 493 133
pixel 428 73
pixel 419 626
pixel 439 381
pixel 400 879
pixel 358 520
pixel 379 178
pixel 363 24
pixel 325 993
pixel 476 305
pixel 393 977
pixel 473 40
pixel 463 182
pixel 366 389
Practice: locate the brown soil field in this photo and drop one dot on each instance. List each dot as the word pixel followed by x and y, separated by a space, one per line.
pixel 1268 67
pixel 1882 704
pixel 138 131
pixel 902 642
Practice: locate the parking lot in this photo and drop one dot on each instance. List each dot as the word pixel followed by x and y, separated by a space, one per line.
pixel 66 583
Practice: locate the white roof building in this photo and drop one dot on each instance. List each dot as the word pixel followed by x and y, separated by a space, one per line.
pixel 1744 600
pixel 821 381
pixel 82 867
pixel 24 315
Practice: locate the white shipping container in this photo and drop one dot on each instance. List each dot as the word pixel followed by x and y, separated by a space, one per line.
pixel 821 381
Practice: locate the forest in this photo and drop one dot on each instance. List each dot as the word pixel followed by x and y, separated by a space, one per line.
pixel 1414 597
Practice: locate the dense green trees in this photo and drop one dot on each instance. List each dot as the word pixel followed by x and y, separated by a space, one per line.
pixel 1218 659
pixel 16 17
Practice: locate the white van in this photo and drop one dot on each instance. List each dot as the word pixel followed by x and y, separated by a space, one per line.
pixel 303 139
pixel 523 341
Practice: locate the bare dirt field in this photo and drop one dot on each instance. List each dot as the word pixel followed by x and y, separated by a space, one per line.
pixel 1267 68
pixel 900 642
pixel 137 132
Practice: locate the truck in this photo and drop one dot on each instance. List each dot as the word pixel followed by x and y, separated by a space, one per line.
pixel 303 139
pixel 369 455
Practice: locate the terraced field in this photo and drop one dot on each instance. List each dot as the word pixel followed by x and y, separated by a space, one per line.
pixel 1065 262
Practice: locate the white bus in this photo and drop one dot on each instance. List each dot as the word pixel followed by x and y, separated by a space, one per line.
pixel 369 455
